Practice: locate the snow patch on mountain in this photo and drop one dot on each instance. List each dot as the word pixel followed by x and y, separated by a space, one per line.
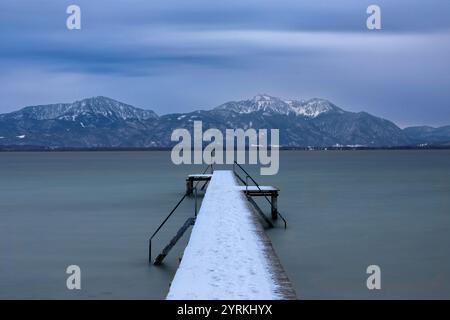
pixel 313 108
pixel 97 106
pixel 273 105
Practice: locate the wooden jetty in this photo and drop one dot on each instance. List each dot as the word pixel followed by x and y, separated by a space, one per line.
pixel 229 255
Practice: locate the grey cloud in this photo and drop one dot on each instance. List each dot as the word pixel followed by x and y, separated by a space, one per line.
pixel 175 55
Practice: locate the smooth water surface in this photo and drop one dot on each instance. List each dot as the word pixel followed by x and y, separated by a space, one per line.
pixel 346 210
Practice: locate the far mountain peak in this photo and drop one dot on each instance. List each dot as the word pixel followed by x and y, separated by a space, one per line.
pixel 99 106
pixel 266 103
pixel 264 97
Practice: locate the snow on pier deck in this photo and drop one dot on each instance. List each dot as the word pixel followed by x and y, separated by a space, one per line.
pixel 229 255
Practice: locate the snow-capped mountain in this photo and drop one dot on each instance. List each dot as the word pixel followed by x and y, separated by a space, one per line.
pixel 92 107
pixel 265 103
pixel 104 122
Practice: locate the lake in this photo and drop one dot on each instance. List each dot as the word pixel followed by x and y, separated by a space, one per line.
pixel 346 210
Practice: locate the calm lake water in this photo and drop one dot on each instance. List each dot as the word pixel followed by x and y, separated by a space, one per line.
pixel 346 210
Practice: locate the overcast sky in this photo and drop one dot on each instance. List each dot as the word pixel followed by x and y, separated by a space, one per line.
pixel 181 55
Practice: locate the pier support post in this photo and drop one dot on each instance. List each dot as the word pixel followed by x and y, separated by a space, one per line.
pixel 274 199
pixel 189 186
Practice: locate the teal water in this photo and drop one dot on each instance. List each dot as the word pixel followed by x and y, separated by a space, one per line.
pixel 346 210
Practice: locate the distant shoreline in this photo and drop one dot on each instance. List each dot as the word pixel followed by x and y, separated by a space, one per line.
pixel 112 149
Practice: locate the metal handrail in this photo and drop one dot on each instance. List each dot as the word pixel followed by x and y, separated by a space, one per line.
pixel 160 226
pixel 172 212
pixel 167 218
pixel 257 185
pixel 212 171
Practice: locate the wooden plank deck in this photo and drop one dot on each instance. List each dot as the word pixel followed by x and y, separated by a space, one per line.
pixel 196 178
pixel 255 188
pixel 229 256
pixel 261 191
pixel 205 176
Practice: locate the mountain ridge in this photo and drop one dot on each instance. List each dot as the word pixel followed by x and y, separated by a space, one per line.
pixel 98 105
pixel 99 122
pixel 263 102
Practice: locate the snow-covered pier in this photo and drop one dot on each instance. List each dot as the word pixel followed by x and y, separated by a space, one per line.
pixel 229 256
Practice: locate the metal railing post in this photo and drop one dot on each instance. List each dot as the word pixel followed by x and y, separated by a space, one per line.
pixel 150 251
pixel 195 192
